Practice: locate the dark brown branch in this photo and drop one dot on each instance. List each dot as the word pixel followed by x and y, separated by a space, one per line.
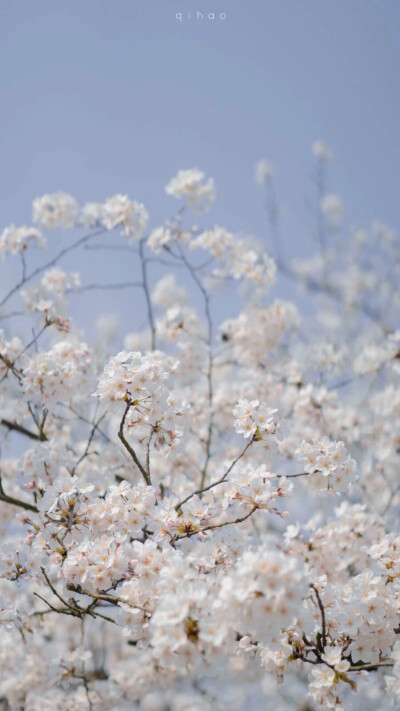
pixel 91 436
pixel 322 611
pixel 16 502
pixel 112 599
pixel 371 667
pixel 130 449
pixel 41 437
pixel 215 525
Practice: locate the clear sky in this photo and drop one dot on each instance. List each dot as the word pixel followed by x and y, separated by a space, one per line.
pixel 106 96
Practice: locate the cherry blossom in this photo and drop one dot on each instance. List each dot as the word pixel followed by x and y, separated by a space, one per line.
pixel 201 513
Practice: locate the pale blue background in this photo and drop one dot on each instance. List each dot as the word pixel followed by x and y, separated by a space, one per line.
pixel 105 96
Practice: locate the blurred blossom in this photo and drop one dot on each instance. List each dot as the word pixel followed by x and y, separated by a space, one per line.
pixel 263 172
pixel 332 207
pixel 322 151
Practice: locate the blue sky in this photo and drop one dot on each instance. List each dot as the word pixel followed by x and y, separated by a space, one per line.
pixel 106 96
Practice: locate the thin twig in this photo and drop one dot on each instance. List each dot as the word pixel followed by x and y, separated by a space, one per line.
pixel 209 374
pixel 219 481
pixel 146 290
pixel 49 264
pixel 105 287
pixel 189 534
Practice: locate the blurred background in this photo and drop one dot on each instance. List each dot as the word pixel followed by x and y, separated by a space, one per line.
pixel 102 96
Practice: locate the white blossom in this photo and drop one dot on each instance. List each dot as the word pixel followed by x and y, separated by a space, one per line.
pixel 332 207
pixel 55 210
pixel 192 187
pixel 263 172
pixel 16 239
pixel 130 217
pixel 322 150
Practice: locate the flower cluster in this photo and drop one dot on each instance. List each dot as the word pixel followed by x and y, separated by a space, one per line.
pixel 64 370
pixel 330 459
pixel 16 239
pixel 117 212
pixel 191 186
pixel 144 383
pixel 237 260
pixel 55 210
pixel 253 418
pixel 257 331
pixel 263 592
pixel 49 295
pixel 332 208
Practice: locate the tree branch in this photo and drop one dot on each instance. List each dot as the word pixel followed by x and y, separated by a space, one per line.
pixel 130 449
pixel 41 437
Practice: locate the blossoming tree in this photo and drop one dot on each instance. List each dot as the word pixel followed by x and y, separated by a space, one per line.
pixel 148 560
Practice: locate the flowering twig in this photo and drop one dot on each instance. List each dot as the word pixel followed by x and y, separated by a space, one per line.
pixel 195 532
pixel 28 277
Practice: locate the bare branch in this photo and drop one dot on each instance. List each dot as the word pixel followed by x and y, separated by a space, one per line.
pixel 322 611
pixel 219 481
pixel 130 449
pixel 146 290
pixel 41 437
pixel 105 287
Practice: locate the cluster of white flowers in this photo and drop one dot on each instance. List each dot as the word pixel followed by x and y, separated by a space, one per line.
pixel 192 187
pixel 237 259
pixel 170 234
pixel 264 593
pixel 62 210
pixel 256 487
pixel 167 293
pixel 331 459
pixel 257 331
pixel 117 212
pixel 10 349
pixel 16 239
pixel 332 208
pixel 55 210
pixel 253 418
pixel 133 376
pixel 377 354
pixel 57 374
pixel 159 238
pixel 144 383
pixel 130 217
pixel 49 295
pixel 359 620
pixel 387 555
